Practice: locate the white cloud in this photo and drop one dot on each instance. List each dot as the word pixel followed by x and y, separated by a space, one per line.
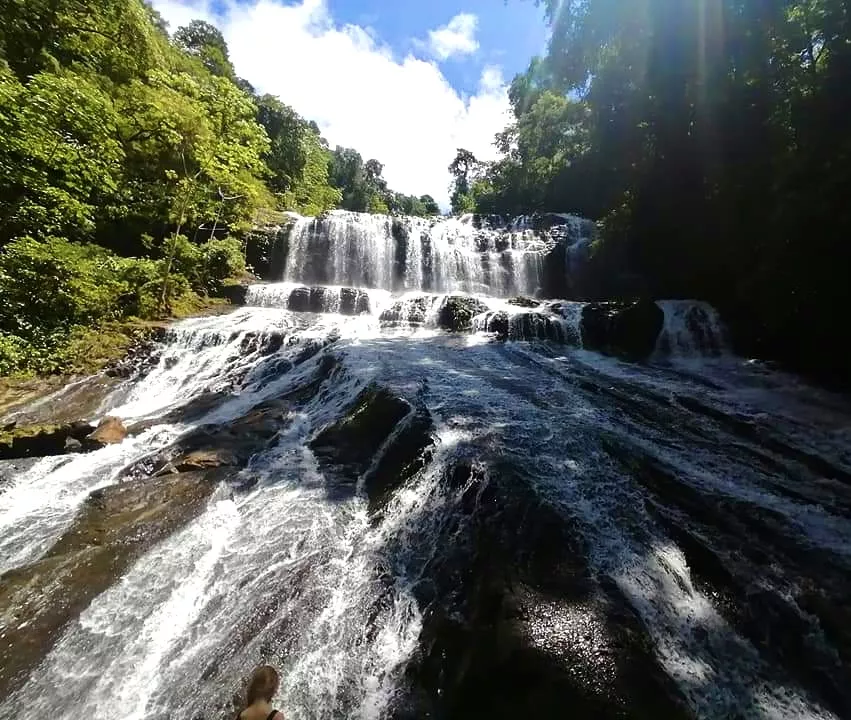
pixel 458 37
pixel 401 111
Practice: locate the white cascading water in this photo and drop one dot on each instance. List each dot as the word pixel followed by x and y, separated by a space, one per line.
pixel 432 254
pixel 284 567
pixel 691 329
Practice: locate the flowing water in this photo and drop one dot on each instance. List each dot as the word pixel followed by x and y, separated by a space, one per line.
pixel 576 534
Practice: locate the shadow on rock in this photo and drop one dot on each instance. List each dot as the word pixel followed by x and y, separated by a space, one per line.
pixel 515 621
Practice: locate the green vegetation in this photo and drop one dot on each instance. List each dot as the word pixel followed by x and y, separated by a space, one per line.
pixel 131 163
pixel 365 190
pixel 66 304
pixel 711 140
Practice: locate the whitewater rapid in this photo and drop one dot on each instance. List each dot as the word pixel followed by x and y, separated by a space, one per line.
pixel 668 538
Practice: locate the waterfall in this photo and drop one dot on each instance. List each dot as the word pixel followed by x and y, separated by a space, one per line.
pixel 437 499
pixel 691 329
pixel 468 254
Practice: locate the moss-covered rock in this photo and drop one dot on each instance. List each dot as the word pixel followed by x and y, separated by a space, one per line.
pixel 41 440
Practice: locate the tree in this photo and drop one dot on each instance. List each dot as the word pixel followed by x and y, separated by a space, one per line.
pixel 59 157
pixel 463 168
pixel 709 140
pixel 311 193
pixel 429 205
pixel 206 42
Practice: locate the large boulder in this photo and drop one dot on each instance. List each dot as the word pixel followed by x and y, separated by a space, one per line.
pixel 110 431
pixel 264 343
pixel 346 301
pixel 348 447
pixel 207 460
pixel 410 311
pixel 381 442
pixel 235 293
pixel 211 446
pixel 523 301
pixel 526 326
pixel 305 299
pixel 518 620
pixel 626 329
pixel 457 312
pixel 408 450
pixel 497 323
pixel 23 441
pixel 116 526
pixel 538 326
pixel 353 302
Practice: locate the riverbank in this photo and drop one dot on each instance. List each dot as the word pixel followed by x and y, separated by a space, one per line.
pixel 94 349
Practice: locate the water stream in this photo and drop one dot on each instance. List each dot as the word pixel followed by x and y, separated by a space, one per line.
pixel 580 532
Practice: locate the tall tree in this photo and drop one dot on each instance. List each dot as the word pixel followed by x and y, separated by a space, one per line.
pixel 464 169
pixel 206 42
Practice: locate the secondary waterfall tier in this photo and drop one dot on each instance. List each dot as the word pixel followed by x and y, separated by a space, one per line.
pixel 634 330
pixel 489 255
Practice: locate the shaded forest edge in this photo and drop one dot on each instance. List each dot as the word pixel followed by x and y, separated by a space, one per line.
pixel 711 141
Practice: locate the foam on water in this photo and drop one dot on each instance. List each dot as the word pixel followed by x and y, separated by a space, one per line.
pixel 440 255
pixel 291 566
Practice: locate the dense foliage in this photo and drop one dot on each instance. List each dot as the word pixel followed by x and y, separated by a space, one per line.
pixel 712 141
pixel 365 190
pixel 53 289
pixel 128 159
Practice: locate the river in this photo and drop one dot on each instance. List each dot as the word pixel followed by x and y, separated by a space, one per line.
pixel 448 524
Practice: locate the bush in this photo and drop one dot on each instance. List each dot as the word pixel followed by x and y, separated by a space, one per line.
pixel 143 279
pixel 221 259
pixel 54 291
pixel 187 262
pixel 53 284
pixel 205 266
pixel 15 354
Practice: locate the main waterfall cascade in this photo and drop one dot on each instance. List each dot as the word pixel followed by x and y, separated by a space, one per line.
pixel 489 254
pixel 438 502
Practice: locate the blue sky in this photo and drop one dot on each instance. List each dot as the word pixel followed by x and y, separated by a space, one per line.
pixel 509 33
pixel 404 81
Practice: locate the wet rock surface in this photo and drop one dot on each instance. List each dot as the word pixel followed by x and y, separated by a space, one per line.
pixel 346 301
pixel 524 302
pixel 347 448
pixel 518 622
pixel 73 399
pixel 210 446
pixel 115 526
pixel 412 311
pixel 420 526
pixel 457 312
pixel 629 330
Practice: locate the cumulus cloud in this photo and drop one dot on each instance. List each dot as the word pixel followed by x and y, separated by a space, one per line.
pixel 401 111
pixel 458 37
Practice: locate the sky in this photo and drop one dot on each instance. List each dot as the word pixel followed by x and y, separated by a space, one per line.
pixel 406 82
